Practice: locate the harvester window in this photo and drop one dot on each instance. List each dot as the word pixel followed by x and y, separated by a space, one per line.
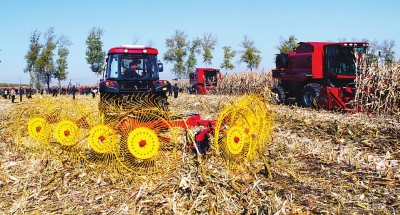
pixel 331 60
pixel 211 76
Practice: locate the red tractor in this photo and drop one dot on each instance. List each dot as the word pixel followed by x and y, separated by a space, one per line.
pixel 131 95
pixel 204 80
pixel 319 74
pixel 132 76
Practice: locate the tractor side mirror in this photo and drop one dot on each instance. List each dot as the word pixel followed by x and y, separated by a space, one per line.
pixel 95 67
pixel 160 67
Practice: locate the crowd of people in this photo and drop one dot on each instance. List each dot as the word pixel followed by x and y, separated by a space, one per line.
pixel 12 92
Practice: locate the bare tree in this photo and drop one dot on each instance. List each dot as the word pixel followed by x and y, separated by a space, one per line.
pixel 136 38
pixel 150 43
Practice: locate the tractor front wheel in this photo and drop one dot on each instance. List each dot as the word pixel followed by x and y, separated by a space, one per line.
pixel 309 95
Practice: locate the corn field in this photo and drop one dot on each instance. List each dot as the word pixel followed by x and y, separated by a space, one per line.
pixel 378 88
pixel 237 84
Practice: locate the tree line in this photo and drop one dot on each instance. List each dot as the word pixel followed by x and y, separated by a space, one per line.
pixel 43 65
pixel 181 52
pixel 40 58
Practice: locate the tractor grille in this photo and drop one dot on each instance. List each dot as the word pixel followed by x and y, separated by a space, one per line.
pixel 142 86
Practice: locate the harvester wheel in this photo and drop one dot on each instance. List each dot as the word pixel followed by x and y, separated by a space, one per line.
pixel 309 95
pixel 278 95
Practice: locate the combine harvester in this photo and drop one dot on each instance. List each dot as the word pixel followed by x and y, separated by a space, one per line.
pixel 134 128
pixel 320 74
pixel 204 81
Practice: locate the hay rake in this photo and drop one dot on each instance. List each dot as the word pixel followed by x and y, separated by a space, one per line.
pixel 143 139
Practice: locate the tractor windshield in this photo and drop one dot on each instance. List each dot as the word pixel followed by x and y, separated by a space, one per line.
pixel 132 67
pixel 342 60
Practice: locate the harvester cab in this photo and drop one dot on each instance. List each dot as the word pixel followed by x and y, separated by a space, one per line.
pixel 319 74
pixel 132 76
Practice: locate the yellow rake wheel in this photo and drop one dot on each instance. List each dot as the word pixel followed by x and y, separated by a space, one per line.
pixel 32 129
pixel 38 130
pixel 67 133
pixel 255 111
pixel 148 144
pixel 101 141
pixel 143 143
pixel 233 139
pixel 102 138
pixel 65 139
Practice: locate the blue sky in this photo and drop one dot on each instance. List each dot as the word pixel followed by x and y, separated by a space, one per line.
pixel 263 21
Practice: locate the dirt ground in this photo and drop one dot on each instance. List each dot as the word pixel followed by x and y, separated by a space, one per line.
pixel 317 162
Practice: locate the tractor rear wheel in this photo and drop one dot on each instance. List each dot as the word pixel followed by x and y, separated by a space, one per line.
pixel 278 95
pixel 309 95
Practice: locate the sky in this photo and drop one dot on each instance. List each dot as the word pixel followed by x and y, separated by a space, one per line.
pixel 263 21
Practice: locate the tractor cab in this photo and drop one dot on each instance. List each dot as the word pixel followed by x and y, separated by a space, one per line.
pixel 120 63
pixel 132 76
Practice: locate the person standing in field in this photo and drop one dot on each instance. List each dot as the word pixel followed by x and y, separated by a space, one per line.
pixel 5 93
pixel 73 91
pixel 20 92
pixel 170 92
pixel 12 93
pixel 93 91
pixel 176 90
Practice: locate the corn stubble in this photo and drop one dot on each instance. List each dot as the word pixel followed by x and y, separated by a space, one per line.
pixel 315 162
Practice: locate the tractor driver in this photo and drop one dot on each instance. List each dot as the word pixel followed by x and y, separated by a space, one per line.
pixel 131 71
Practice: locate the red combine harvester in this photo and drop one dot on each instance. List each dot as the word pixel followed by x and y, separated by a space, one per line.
pixel 204 80
pixel 319 74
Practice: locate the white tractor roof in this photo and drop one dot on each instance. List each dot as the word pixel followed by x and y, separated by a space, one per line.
pixel 134 46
